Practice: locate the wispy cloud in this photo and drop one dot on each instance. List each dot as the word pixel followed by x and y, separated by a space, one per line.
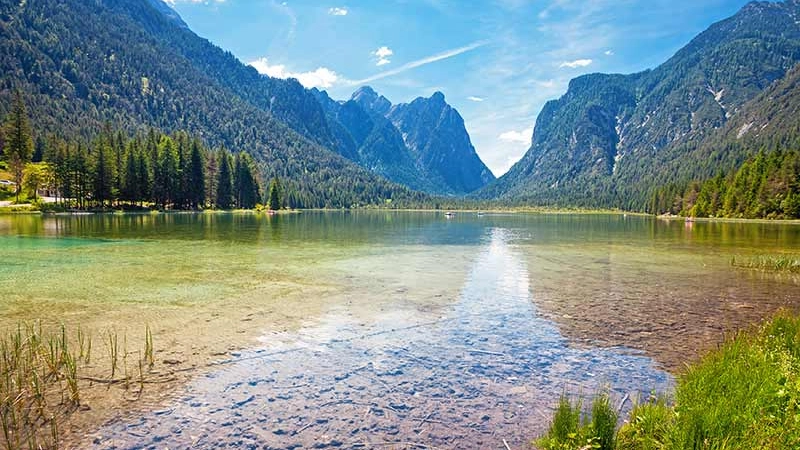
pixel 520 137
pixel 322 77
pixel 284 8
pixel 609 52
pixel 338 11
pixel 383 54
pixel 472 98
pixel 575 64
pixel 422 62
pixel 547 84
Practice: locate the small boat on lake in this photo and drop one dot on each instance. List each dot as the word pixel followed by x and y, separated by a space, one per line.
pixel 449 214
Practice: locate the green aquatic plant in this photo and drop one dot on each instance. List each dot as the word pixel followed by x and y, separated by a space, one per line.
pixel 113 351
pixel 42 374
pixel 771 263
pixel 148 346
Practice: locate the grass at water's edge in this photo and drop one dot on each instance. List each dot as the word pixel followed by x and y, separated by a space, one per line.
pixel 744 395
pixel 43 375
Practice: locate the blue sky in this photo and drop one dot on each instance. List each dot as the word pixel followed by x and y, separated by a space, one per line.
pixel 496 61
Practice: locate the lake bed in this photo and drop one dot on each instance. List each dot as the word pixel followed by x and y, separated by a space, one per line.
pixel 386 328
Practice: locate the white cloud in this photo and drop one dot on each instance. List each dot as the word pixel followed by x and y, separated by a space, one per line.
pixel 421 62
pixel 575 64
pixel 547 84
pixel 383 54
pixel 517 137
pixel 472 98
pixel 609 53
pixel 320 78
pixel 338 11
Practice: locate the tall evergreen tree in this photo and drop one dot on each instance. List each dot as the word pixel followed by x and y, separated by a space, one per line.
pixel 237 180
pixel 196 177
pixel 18 148
pixel 246 189
pixel 212 177
pixel 183 191
pixel 61 172
pixel 275 195
pixel 79 167
pixel 130 181
pixel 143 174
pixel 103 174
pixel 225 181
pixel 165 182
pixel 39 149
pixel 119 161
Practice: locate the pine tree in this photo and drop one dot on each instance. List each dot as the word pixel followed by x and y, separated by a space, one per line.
pixel 79 167
pixel 275 195
pixel 183 188
pixel 39 149
pixel 246 188
pixel 130 181
pixel 166 175
pixel 238 173
pixel 103 175
pixel 18 148
pixel 119 162
pixel 196 176
pixel 143 174
pixel 61 171
pixel 225 181
pixel 212 177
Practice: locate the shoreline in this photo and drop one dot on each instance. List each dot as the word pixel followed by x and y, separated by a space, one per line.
pixel 12 210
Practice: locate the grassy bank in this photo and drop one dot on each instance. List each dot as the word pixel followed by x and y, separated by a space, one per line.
pixel 744 395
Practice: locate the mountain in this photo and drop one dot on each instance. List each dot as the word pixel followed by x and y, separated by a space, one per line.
pixel 135 64
pixel 424 144
pixel 612 138
pixel 368 138
pixel 435 133
pixel 728 180
pixel 168 12
pixel 769 121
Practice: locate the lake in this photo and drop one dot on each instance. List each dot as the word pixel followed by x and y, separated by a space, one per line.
pixel 377 328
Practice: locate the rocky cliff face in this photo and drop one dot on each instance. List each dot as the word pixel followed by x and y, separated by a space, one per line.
pixel 435 133
pixel 423 144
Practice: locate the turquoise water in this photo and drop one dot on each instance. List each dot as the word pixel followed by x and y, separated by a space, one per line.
pixel 454 333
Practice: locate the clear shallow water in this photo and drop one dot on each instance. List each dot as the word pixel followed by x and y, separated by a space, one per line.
pixel 488 369
pixel 451 333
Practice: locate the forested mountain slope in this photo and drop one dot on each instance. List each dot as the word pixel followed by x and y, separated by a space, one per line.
pixel 611 139
pixel 82 64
